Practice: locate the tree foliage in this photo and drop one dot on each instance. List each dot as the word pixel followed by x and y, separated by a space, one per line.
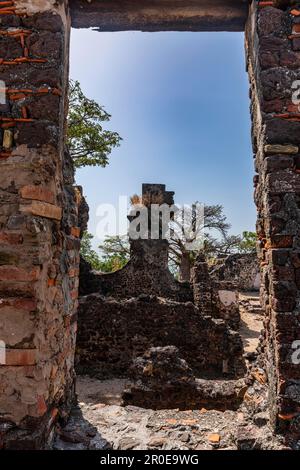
pixel 88 253
pixel 88 142
pixel 248 242
pixel 114 253
pixel 115 250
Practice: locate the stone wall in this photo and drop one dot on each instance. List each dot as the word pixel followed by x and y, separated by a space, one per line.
pixel 242 269
pixel 273 48
pixel 38 225
pixel 143 306
pixel 111 333
pixel 161 379
pixel 216 298
pixel 147 272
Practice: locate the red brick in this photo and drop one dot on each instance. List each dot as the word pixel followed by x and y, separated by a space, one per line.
pixel 11 238
pixel 42 209
pixel 41 405
pixel 293 108
pixel 53 373
pixel 67 320
pixel 75 232
pixel 53 416
pixel 25 304
pixel 12 273
pixel 20 357
pixel 38 193
pixel 280 241
pixel 74 294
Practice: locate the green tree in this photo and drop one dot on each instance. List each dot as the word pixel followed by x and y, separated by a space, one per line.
pixel 248 242
pixel 116 253
pixel 116 249
pixel 88 143
pixel 88 253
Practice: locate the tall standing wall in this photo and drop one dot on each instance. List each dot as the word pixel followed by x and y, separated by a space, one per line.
pixel 38 225
pixel 273 47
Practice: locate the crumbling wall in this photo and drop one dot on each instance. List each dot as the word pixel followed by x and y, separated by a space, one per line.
pixel 242 269
pixel 111 333
pixel 38 225
pixel 146 273
pixel 273 48
pixel 218 299
pixel 163 380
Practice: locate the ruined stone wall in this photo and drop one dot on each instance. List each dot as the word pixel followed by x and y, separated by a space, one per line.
pixel 146 273
pixel 242 269
pixel 216 298
pixel 111 333
pixel 273 47
pixel 38 225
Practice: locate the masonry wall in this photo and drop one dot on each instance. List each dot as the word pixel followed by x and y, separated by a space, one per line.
pixel 38 225
pixel 146 272
pixel 219 299
pixel 242 269
pixel 112 333
pixel 39 228
pixel 273 48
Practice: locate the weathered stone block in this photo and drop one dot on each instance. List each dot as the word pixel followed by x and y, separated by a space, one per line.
pixel 11 238
pixel 45 44
pixel 36 134
pixel 46 108
pixel 296 44
pixel 281 149
pixel 20 357
pixel 38 193
pixel 42 209
pixel 278 162
pixel 281 131
pixel 7 139
pixel 271 21
pixel 13 273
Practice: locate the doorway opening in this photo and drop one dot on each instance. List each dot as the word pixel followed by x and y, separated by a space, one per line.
pixel 179 101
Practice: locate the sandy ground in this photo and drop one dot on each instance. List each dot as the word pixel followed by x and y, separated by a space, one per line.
pixel 251 320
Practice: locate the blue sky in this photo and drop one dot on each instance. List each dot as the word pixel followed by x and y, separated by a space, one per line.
pixel 180 102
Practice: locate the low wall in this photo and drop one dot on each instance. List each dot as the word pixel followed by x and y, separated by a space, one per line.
pixel 111 333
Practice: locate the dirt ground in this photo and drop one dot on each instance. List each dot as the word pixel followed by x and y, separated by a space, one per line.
pixel 251 320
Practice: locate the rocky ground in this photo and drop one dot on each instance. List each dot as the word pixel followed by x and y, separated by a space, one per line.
pixel 99 421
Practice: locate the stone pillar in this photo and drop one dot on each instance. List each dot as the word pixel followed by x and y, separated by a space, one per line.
pixel 273 47
pixel 149 249
pixel 38 225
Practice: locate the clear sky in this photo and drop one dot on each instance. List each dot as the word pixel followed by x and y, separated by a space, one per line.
pixel 180 102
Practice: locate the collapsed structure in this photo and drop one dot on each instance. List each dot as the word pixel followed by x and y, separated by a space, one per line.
pixel 39 226
pixel 143 306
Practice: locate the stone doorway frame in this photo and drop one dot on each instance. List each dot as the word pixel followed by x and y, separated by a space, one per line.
pixel 39 285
